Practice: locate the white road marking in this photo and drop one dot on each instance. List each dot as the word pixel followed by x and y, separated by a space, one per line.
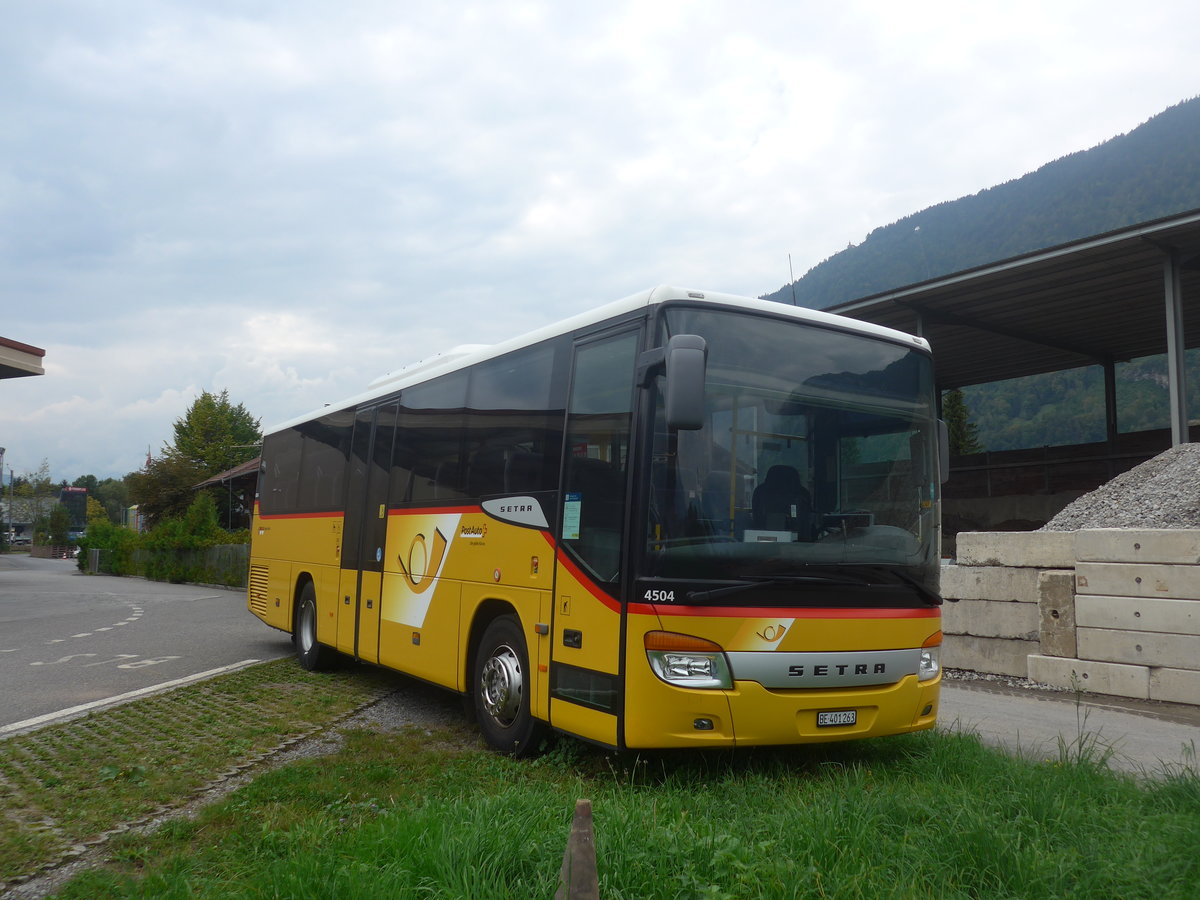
pixel 72 712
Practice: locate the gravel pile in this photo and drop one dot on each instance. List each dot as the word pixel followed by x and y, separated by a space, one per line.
pixel 1163 492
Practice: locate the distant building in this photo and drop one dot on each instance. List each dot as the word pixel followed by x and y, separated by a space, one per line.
pixel 132 518
pixel 75 501
pixel 17 516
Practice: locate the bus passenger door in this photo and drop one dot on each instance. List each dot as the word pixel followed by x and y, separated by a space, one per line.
pixel 365 532
pixel 585 673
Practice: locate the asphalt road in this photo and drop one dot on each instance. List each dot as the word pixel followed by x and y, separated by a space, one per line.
pixel 1142 737
pixel 69 639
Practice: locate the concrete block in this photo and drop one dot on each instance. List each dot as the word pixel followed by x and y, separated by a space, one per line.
pixel 1118 579
pixel 990 583
pixel 1145 648
pixel 1093 677
pixel 1056 613
pixel 1156 545
pixel 1175 685
pixel 1027 549
pixel 991 618
pixel 998 656
pixel 1139 614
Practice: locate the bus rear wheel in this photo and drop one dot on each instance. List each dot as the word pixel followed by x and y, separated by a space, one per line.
pixel 501 690
pixel 311 654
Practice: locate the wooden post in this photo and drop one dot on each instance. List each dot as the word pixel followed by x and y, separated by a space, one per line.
pixel 578 879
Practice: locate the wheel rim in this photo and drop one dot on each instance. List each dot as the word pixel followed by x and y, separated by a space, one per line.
pixel 502 686
pixel 307 627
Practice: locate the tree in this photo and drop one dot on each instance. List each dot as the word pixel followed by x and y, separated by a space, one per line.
pixel 212 436
pixel 963 437
pixel 114 494
pixel 216 435
pixel 95 511
pixel 59 526
pixel 34 496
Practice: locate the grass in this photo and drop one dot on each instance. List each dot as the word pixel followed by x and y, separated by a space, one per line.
pixel 419 814
pixel 65 786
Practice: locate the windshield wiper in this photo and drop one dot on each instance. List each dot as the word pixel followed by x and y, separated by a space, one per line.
pixel 772 581
pixel 930 597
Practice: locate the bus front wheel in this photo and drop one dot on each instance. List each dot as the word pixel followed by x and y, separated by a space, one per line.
pixel 501 689
pixel 312 655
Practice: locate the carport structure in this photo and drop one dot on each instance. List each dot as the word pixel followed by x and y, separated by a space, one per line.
pixel 1097 301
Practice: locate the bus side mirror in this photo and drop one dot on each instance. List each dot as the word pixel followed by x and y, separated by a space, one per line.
pixel 943 451
pixel 687 358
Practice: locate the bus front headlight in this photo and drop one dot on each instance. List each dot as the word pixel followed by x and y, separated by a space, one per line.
pixel 685 661
pixel 931 653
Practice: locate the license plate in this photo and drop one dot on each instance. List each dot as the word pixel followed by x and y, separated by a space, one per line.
pixel 840 717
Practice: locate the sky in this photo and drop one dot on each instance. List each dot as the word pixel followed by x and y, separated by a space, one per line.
pixel 285 200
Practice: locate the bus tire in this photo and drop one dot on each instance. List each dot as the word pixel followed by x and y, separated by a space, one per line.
pixel 501 690
pixel 312 655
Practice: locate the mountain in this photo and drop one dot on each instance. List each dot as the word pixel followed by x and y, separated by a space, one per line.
pixel 1150 172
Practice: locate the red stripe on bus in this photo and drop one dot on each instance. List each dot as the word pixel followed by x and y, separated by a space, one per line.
pixel 585 580
pixel 785 612
pixel 312 515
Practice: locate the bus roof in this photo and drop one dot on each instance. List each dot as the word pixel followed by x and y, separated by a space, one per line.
pixel 469 354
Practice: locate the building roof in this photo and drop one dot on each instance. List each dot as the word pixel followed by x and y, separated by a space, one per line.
pixel 245 470
pixel 1089 301
pixel 17 359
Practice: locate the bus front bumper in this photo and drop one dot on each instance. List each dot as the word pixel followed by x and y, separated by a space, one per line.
pixel 751 715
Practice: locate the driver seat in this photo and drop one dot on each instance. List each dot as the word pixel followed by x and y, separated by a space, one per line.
pixel 782 503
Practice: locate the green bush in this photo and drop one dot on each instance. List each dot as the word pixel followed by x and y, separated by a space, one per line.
pixel 116 545
pixel 173 549
pixel 178 550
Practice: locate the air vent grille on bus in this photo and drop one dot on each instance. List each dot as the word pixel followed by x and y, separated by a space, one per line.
pixel 258 590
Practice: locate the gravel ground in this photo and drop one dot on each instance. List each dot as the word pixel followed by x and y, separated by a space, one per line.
pixel 1163 492
pixel 1012 681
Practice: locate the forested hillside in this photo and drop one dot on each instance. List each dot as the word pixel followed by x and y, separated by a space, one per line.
pixel 1151 172
pixel 1068 407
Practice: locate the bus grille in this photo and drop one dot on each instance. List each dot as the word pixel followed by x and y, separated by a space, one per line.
pixel 258 590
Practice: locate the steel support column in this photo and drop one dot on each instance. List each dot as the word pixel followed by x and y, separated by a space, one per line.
pixel 1176 352
pixel 1110 403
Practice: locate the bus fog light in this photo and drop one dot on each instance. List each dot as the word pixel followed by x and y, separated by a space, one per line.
pixel 930 665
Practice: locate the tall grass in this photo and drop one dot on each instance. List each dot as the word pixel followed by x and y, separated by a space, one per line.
pixel 929 815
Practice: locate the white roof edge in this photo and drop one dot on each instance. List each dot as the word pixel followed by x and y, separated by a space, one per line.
pixel 422 370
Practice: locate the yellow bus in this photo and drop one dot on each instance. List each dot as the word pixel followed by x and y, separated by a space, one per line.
pixel 684 519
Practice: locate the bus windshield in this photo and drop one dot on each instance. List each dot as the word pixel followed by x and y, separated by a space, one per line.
pixel 818 453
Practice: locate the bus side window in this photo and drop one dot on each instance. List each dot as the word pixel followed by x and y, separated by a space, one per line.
pixel 280 481
pixel 427 455
pixel 323 465
pixel 514 417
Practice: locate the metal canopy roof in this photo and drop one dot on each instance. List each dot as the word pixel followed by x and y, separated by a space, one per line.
pixel 1093 301
pixel 17 359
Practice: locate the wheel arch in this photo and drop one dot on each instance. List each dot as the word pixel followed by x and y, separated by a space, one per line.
pixel 302 580
pixel 485 613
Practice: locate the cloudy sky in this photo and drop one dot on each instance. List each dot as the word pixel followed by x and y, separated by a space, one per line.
pixel 287 199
